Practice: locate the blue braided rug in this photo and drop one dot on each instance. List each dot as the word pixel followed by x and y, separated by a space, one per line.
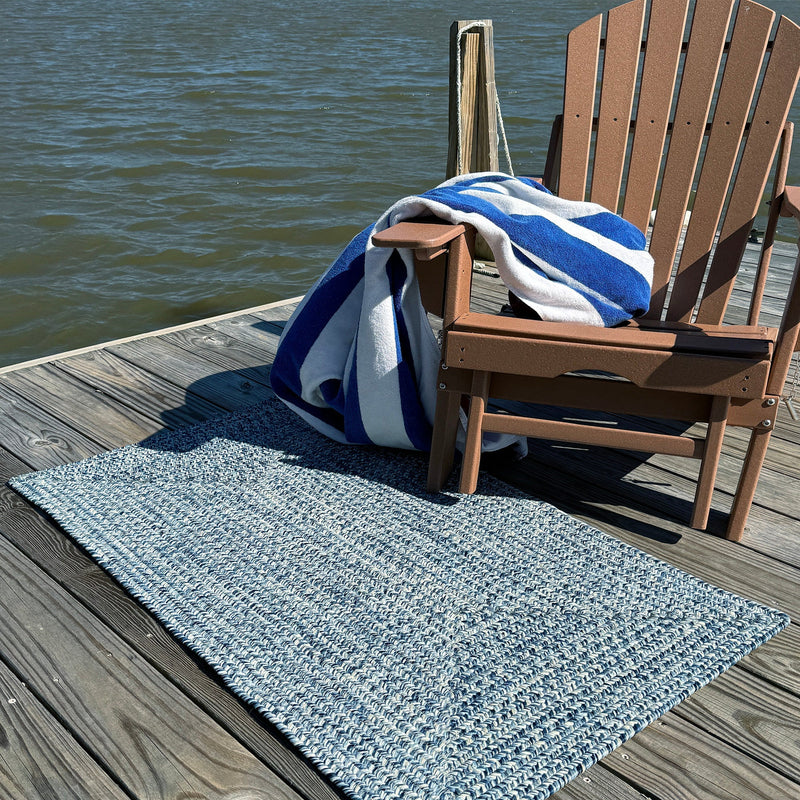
pixel 412 646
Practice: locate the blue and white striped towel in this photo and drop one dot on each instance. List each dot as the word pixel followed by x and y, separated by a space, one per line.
pixel 358 359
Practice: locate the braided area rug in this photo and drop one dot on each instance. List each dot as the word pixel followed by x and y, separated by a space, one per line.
pixel 412 646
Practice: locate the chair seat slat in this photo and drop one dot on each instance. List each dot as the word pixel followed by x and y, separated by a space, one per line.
pixel 741 341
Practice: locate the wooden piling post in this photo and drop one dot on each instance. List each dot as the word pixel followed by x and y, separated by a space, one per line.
pixel 473 102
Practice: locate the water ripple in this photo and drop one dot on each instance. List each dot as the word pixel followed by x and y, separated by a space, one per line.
pixel 167 161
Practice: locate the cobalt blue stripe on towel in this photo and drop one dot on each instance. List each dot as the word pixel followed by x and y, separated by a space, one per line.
pixel 358 359
pixel 607 224
pixel 354 427
pixel 616 290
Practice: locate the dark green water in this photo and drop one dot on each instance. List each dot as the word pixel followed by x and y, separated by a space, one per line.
pixel 166 161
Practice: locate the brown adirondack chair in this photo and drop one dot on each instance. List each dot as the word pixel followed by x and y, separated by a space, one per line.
pixel 679 362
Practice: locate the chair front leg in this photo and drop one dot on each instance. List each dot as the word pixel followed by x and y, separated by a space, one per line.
pixel 479 396
pixel 708 467
pixel 748 480
pixel 443 441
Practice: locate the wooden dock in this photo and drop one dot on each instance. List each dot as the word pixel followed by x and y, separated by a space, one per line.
pixel 98 701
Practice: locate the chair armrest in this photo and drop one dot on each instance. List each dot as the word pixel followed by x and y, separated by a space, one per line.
pixel 419 235
pixel 448 248
pixel 790 205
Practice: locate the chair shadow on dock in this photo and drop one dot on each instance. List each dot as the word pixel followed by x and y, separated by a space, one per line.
pixel 565 476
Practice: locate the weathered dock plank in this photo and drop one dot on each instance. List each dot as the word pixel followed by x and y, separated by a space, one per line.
pixel 599 783
pixel 673 760
pixel 774 491
pixel 147 734
pixel 218 347
pixel 137 388
pixel 38 757
pixel 778 660
pixel 37 437
pixel 229 388
pixel 631 486
pixel 772 714
pixel 102 420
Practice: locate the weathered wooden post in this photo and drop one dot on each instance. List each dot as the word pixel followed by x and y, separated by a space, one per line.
pixel 473 101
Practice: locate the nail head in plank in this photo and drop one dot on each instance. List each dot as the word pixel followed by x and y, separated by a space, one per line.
pixel 38 757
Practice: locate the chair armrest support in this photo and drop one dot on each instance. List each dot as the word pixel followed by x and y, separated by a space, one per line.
pixel 448 248
pixel 789 333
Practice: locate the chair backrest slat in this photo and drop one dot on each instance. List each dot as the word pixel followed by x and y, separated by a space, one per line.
pixel 706 44
pixel 686 122
pixel 769 118
pixel 778 188
pixel 580 87
pixel 620 66
pixel 743 68
pixel 661 58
